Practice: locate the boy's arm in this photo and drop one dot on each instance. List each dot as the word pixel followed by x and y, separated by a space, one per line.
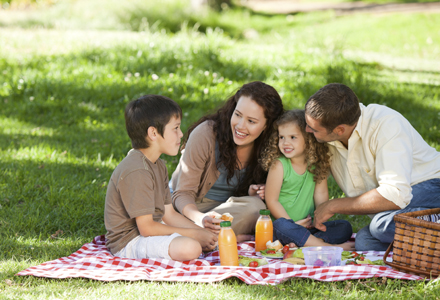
pixel 273 188
pixel 205 237
pixel 173 218
pixel 148 227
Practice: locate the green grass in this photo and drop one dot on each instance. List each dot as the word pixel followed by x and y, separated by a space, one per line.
pixel 64 86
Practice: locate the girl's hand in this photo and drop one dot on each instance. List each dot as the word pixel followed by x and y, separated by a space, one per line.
pixel 210 222
pixel 257 190
pixel 307 222
pixel 292 245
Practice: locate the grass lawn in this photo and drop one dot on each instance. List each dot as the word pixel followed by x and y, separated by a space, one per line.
pixel 67 72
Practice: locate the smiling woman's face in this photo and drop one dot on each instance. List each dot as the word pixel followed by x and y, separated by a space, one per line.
pixel 247 121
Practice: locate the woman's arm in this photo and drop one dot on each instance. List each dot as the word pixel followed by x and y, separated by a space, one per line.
pixel 273 188
pixel 207 220
pixel 257 190
pixel 193 164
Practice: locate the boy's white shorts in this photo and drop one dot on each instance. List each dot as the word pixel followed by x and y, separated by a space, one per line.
pixel 148 247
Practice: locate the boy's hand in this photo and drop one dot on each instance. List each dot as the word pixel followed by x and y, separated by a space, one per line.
pixel 206 238
pixel 211 223
pixel 307 222
pixel 257 190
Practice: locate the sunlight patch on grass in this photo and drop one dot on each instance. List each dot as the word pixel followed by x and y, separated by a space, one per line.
pixel 11 126
pixel 397 62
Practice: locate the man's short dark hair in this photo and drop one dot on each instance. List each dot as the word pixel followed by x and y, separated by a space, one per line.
pixel 333 105
pixel 147 111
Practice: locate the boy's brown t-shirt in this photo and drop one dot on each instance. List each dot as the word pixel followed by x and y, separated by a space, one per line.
pixel 137 187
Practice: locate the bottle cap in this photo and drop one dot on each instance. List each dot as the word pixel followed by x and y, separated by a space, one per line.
pixel 225 224
pixel 264 212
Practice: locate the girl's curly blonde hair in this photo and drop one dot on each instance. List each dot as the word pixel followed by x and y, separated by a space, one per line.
pixel 317 156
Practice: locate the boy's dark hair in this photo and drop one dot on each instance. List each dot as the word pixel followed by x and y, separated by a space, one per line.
pixel 147 111
pixel 333 105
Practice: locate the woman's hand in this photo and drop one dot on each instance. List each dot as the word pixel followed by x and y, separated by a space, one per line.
pixel 210 222
pixel 257 190
pixel 307 222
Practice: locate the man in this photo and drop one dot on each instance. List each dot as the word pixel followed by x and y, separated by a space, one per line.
pixel 379 160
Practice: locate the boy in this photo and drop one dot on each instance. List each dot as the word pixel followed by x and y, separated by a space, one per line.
pixel 138 198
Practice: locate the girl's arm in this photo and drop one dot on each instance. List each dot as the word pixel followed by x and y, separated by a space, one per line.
pixel 273 188
pixel 321 193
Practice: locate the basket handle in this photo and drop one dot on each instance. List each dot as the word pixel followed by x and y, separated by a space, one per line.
pixel 390 247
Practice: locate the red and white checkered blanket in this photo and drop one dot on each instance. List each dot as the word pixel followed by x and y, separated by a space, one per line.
pixel 94 261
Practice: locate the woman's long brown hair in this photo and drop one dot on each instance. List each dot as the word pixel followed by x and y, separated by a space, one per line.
pixel 266 97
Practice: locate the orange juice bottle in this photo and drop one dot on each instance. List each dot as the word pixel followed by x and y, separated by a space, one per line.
pixel 227 245
pixel 263 230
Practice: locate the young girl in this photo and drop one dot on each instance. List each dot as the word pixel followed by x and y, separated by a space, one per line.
pixel 297 183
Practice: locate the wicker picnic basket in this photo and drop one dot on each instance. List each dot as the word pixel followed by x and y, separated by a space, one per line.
pixel 416 245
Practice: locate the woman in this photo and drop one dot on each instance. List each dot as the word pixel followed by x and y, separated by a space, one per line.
pixel 219 170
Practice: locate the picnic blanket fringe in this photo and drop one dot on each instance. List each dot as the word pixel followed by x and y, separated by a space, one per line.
pixel 94 261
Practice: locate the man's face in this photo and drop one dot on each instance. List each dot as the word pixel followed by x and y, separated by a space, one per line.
pixel 321 134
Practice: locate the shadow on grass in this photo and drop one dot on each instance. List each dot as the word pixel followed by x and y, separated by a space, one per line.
pixel 42 198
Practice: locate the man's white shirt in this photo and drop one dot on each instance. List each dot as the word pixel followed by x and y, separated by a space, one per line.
pixel 386 153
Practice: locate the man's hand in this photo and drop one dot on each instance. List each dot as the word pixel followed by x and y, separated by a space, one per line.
pixel 307 222
pixel 257 190
pixel 210 222
pixel 322 213
pixel 370 202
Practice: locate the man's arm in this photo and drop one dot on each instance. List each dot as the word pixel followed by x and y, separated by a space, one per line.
pixel 370 202
pixel 391 146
